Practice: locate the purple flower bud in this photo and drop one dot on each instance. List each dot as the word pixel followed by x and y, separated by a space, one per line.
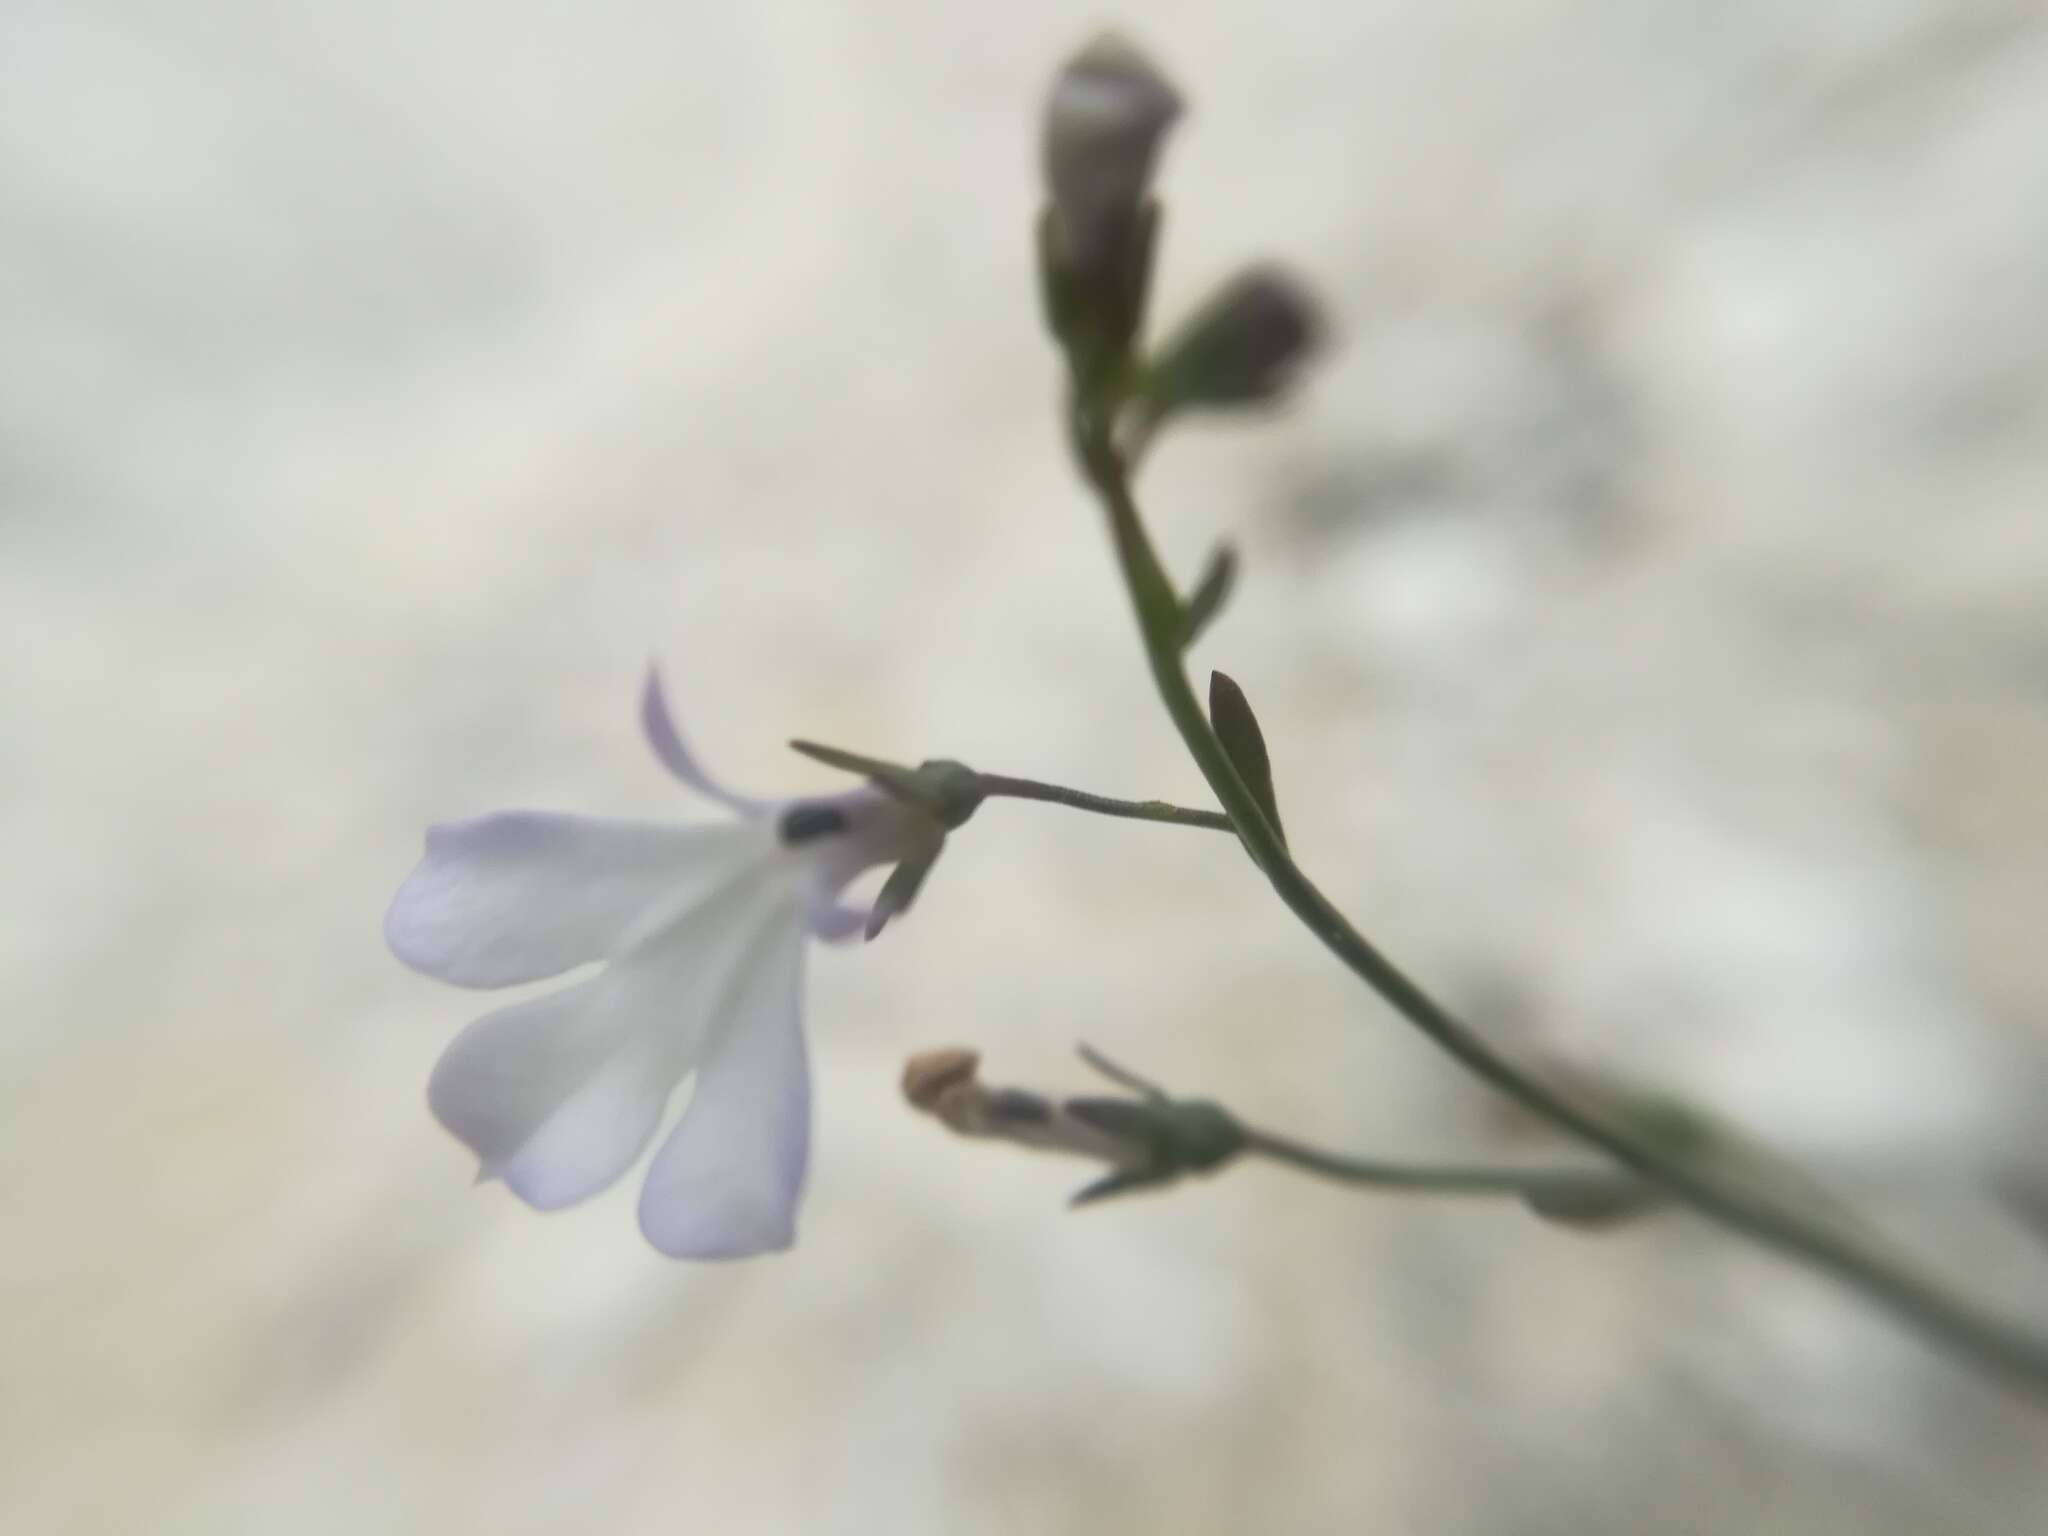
pixel 1108 110
pixel 1242 347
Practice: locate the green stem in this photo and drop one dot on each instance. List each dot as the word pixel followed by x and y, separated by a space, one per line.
pixel 1582 1188
pixel 1430 1178
pixel 1956 1322
pixel 1006 786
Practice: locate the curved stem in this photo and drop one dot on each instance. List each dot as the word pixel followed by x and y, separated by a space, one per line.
pixel 1007 787
pixel 1957 1322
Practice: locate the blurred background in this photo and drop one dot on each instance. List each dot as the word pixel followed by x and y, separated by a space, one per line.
pixel 1645 606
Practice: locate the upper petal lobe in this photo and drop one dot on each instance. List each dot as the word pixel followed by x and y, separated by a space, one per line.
pixel 666 738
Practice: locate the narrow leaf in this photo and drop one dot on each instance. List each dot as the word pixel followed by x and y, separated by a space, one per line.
pixel 1207 600
pixel 1238 729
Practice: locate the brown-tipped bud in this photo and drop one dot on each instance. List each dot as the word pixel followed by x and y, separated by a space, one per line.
pixel 1243 347
pixel 1108 110
pixel 930 1075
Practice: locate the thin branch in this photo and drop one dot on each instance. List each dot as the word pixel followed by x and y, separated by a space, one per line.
pixel 1579 1184
pixel 1007 787
pixel 1157 1138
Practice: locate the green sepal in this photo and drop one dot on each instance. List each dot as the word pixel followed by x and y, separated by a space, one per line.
pixel 947 791
pixel 1097 312
pixel 1169 1138
pixel 899 890
pixel 1057 291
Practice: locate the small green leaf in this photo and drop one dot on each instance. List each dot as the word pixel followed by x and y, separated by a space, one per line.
pixel 1238 729
pixel 1210 593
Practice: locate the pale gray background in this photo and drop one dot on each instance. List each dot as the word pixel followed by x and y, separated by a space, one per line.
pixel 1646 607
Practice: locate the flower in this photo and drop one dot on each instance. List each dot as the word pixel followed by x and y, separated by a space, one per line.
pixel 700 932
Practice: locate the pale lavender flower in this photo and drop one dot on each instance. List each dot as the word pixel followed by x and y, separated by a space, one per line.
pixel 699 934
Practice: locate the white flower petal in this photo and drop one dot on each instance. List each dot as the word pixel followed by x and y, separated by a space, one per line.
pixel 676 756
pixel 726 1182
pixel 830 919
pixel 521 895
pixel 559 1095
pixel 552 1095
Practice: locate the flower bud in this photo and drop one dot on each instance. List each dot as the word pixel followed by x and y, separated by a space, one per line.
pixel 1243 347
pixel 1108 110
